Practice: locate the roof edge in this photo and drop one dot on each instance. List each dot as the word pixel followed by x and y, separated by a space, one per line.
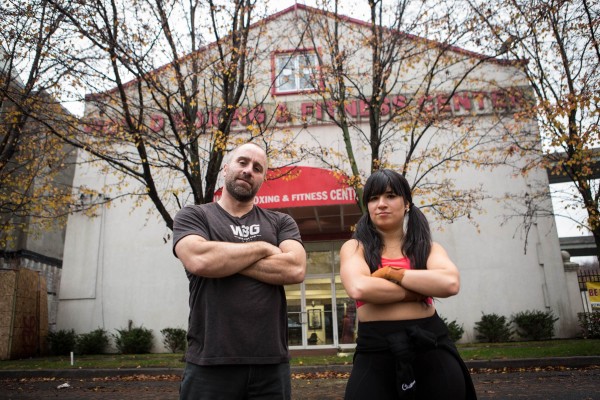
pixel 303 7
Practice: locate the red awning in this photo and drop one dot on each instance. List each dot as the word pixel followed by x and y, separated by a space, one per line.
pixel 302 186
pixel 319 200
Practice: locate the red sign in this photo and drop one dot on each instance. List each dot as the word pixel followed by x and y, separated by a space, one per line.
pixel 466 103
pixel 302 187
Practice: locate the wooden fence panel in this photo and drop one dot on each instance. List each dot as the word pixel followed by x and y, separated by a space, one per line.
pixel 23 314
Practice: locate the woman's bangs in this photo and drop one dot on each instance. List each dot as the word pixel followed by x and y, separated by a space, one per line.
pixel 379 185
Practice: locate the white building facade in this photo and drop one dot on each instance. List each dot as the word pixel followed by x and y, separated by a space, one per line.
pixel 119 266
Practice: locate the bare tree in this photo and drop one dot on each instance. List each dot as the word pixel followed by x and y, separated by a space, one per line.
pixel 558 40
pixel 175 86
pixel 169 98
pixel 35 191
pixel 396 93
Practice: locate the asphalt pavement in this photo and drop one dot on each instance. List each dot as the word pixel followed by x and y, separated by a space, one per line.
pixel 562 378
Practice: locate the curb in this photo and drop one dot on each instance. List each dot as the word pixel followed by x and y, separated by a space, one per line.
pixel 83 373
pixel 568 362
pixel 76 373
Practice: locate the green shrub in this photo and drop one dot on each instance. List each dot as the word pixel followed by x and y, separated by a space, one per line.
pixel 94 342
pixel 493 328
pixel 455 331
pixel 134 340
pixel 174 339
pixel 62 342
pixel 590 324
pixel 535 325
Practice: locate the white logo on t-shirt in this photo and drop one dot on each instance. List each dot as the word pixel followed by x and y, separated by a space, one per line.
pixel 244 232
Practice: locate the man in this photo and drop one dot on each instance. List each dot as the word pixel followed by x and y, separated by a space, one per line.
pixel 237 258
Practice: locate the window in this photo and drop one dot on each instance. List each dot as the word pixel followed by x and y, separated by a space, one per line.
pixel 295 72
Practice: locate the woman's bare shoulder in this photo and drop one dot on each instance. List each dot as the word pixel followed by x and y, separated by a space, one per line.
pixel 351 246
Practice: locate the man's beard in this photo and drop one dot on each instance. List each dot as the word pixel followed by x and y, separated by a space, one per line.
pixel 240 193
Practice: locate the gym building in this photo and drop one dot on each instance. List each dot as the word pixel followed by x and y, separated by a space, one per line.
pixel 118 264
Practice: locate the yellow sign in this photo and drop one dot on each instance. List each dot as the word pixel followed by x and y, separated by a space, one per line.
pixel 593 289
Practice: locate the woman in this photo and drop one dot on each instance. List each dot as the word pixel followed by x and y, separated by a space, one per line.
pixel 392 269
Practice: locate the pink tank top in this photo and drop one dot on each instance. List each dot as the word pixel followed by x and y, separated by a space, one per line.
pixel 403 262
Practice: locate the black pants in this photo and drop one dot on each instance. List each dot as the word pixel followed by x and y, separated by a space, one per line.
pixel 236 382
pixel 437 376
pixel 437 373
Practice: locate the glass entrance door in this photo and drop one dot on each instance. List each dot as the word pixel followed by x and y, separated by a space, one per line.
pixel 310 315
pixel 320 314
pixel 296 330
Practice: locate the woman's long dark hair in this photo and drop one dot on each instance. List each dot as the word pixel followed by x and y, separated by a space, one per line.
pixel 417 238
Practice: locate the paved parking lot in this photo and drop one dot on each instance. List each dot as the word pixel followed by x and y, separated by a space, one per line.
pixel 534 383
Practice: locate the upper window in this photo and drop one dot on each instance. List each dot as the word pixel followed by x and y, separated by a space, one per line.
pixel 295 72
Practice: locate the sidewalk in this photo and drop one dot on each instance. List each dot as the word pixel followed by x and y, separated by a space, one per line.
pixel 476 365
pixel 565 378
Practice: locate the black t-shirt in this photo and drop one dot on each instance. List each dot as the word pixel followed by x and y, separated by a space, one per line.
pixel 236 319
